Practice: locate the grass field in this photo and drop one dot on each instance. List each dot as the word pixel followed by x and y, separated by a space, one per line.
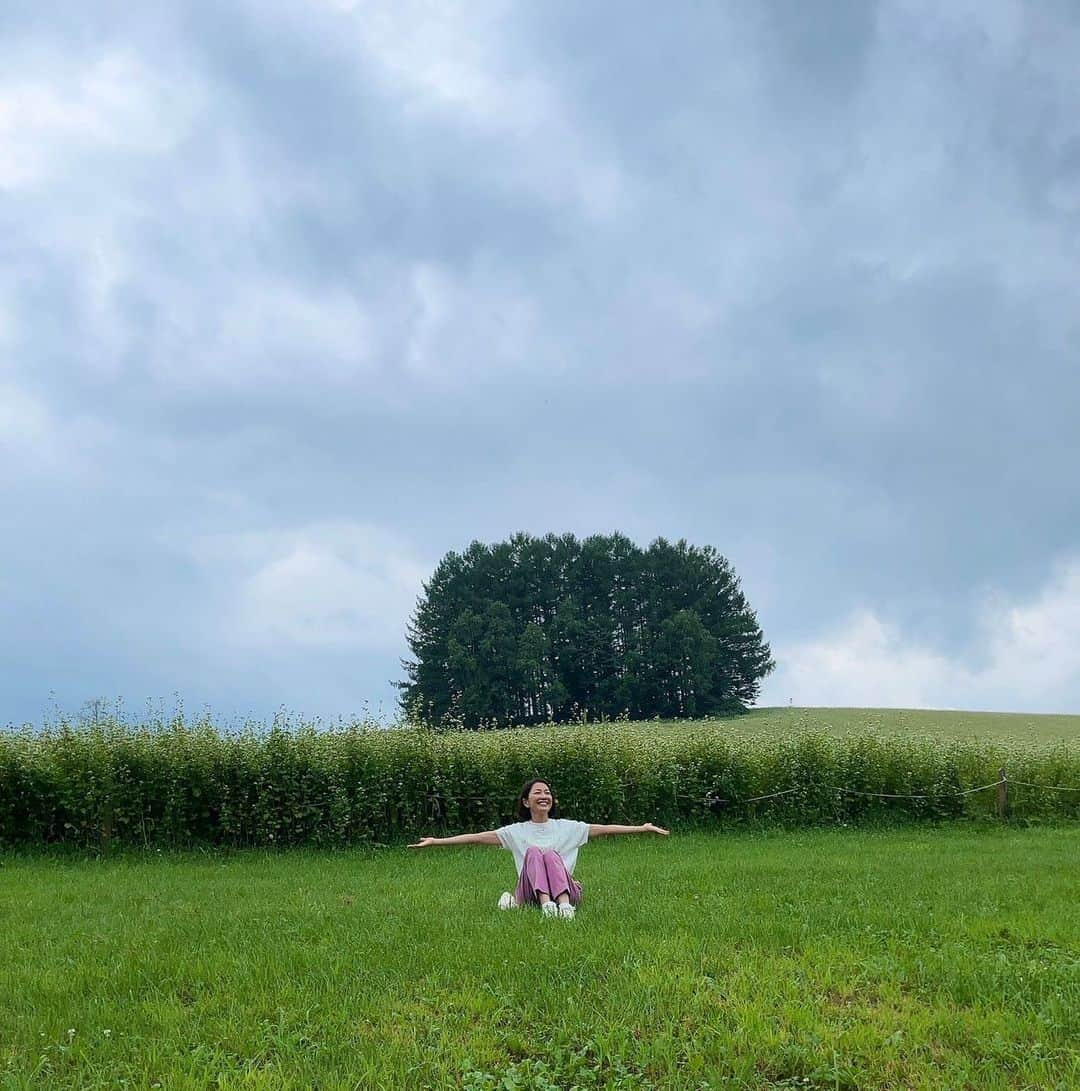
pixel 930 957
pixel 1025 728
pixel 1004 727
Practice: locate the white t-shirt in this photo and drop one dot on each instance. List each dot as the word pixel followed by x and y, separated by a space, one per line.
pixel 560 834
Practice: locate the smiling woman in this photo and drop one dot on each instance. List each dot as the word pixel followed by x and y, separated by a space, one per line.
pixel 545 849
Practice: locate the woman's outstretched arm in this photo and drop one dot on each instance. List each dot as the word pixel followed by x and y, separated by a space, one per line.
pixel 488 837
pixel 607 831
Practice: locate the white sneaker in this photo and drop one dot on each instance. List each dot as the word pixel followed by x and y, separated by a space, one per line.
pixel 506 900
pixel 566 912
pixel 550 909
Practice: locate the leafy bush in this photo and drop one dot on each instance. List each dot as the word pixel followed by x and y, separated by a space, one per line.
pixel 187 784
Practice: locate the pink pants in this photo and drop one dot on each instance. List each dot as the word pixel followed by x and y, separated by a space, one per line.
pixel 545 873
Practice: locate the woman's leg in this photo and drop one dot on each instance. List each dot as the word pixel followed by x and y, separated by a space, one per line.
pixel 533 884
pixel 560 884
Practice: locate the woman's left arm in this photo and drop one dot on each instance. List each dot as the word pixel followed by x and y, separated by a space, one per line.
pixel 607 831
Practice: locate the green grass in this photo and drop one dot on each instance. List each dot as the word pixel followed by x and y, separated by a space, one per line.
pixel 1004 727
pixel 927 957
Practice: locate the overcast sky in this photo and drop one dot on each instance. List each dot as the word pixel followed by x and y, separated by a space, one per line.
pixel 297 297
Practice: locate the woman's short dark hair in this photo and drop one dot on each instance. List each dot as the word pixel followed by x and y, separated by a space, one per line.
pixel 523 812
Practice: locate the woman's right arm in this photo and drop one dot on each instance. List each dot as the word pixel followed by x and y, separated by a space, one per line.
pixel 488 837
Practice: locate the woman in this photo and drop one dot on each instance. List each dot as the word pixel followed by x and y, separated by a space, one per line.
pixel 545 849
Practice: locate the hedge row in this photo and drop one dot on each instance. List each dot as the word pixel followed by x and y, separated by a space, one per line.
pixel 189 785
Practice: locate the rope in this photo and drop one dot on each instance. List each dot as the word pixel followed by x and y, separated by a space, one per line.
pixel 1046 787
pixel 875 795
pixel 925 795
pixel 753 799
pixel 711 798
pixel 897 795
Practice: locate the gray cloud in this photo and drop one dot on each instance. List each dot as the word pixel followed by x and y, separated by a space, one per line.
pixel 799 285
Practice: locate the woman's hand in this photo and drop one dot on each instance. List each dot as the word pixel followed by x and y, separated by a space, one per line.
pixel 424 842
pixel 650 828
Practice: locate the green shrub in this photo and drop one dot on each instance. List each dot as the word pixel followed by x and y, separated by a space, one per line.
pixel 181 784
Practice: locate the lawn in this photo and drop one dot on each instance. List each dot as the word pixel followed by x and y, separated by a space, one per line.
pixel 926 957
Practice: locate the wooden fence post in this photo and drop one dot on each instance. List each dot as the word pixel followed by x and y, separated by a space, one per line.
pixel 1002 794
pixel 107 825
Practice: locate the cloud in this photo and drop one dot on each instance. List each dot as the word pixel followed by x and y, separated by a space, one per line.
pixel 328 586
pixel 261 333
pixel 799 287
pixel 459 64
pixel 1024 658
pixel 26 425
pixel 1034 647
pixel 443 56
pixel 111 106
pixel 37 443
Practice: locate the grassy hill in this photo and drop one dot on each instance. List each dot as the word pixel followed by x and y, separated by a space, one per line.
pixel 1005 727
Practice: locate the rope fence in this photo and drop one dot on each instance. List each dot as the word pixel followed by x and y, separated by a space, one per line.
pixel 713 800
pixel 860 792
pixel 1046 787
pixel 1002 784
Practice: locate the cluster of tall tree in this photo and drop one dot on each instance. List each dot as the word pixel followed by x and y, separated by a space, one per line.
pixel 537 629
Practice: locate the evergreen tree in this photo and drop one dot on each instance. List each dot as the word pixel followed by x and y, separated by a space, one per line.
pixel 537 629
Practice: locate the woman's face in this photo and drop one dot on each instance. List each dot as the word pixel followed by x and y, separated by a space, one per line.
pixel 539 800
